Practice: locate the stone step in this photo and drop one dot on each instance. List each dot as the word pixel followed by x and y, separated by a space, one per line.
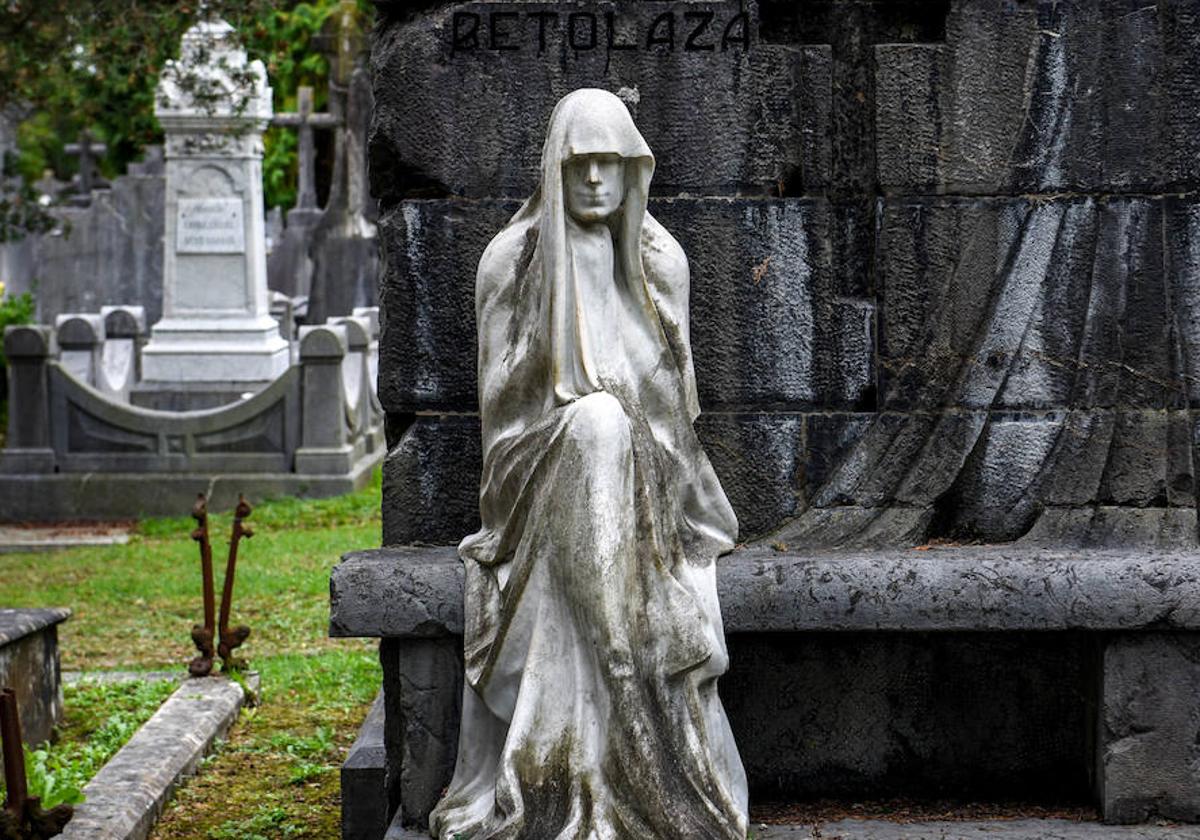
pixel 1041 829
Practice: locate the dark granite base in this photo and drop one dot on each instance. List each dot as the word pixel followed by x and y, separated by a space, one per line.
pixel 993 673
pixel 56 497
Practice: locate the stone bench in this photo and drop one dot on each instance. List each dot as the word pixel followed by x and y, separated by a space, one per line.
pixel 998 671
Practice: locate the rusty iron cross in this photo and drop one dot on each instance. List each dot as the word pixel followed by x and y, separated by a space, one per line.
pixel 216 631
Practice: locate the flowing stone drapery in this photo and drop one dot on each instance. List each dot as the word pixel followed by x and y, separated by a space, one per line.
pixel 1061 307
pixel 593 636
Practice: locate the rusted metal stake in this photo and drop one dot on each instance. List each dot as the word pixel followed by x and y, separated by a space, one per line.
pixel 229 639
pixel 22 817
pixel 14 757
pixel 203 635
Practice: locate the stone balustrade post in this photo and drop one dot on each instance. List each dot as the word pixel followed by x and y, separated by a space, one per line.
pixel 371 314
pixel 324 444
pixel 356 370
pixel 125 327
pixel 28 447
pixel 81 344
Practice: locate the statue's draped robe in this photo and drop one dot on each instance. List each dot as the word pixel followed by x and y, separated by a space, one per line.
pixel 593 636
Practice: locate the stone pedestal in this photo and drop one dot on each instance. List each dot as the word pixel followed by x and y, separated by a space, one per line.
pixel 28 448
pixel 29 664
pixel 216 325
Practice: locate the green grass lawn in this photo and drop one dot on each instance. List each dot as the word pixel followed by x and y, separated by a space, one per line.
pixel 134 606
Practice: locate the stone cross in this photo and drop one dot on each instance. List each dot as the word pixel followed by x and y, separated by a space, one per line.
pixel 304 120
pixel 88 150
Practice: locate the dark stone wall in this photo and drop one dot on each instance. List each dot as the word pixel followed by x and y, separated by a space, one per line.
pixel 944 254
pixel 988 717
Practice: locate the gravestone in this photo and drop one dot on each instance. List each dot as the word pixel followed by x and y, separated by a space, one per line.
pixel 29 664
pixel 88 150
pixel 216 332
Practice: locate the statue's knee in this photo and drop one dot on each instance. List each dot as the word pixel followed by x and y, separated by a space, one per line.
pixel 598 421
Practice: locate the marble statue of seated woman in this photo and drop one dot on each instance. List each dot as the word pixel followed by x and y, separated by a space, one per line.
pixel 593 638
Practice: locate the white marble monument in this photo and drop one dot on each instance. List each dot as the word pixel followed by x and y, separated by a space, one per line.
pixel 214 105
pixel 593 635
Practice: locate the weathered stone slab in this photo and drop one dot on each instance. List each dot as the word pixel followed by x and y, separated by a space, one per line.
pixel 427 350
pixel 761 460
pixel 1149 759
pixel 417 592
pixel 724 112
pixel 125 798
pixel 422 689
pixel 431 481
pixel 29 665
pixel 108 253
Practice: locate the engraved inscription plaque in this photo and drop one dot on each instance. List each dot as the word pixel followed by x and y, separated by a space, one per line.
pixel 210 226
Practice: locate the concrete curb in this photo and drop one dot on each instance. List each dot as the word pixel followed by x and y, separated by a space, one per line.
pixel 125 798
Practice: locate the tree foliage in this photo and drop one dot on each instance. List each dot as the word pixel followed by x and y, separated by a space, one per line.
pixel 68 66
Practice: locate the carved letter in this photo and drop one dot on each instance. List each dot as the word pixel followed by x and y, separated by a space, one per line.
pixel 468 40
pixel 705 19
pixel 498 37
pixel 667 40
pixel 571 30
pixel 743 36
pixel 542 18
pixel 610 18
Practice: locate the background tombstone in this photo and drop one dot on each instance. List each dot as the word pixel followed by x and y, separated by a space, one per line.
pixel 216 331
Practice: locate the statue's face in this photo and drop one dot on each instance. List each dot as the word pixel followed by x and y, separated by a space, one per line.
pixel 594 186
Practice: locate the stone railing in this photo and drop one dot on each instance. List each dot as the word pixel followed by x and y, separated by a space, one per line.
pixel 71 424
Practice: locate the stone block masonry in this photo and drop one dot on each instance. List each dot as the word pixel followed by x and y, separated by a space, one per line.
pixel 1000 268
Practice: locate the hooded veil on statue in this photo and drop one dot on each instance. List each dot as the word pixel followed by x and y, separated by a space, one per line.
pixel 593 637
